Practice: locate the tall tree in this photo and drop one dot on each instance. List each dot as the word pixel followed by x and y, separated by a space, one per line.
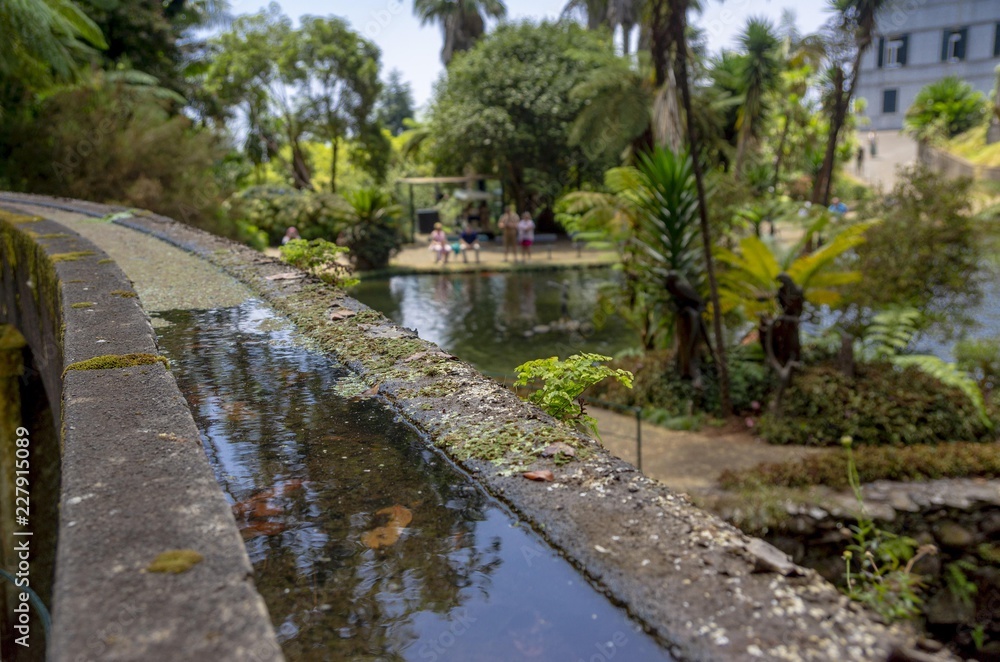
pixel 852 35
pixel 668 39
pixel 462 22
pixel 336 72
pixel 625 14
pixel 395 104
pixel 506 108
pixel 594 11
pixel 759 76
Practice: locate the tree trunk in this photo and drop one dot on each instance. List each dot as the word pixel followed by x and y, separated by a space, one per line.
pixel 742 140
pixel 824 183
pixel 781 148
pixel 333 165
pixel 679 22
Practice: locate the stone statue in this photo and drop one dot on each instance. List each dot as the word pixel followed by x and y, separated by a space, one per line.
pixel 690 326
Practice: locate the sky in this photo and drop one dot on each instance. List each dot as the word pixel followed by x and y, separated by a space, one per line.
pixel 415 50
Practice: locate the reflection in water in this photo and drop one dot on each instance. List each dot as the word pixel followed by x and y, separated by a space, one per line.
pixel 499 320
pixel 366 544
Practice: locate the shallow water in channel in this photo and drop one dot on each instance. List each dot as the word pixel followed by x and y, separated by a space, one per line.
pixel 366 543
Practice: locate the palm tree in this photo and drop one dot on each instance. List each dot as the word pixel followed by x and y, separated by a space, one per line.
pixel 625 14
pixel 463 22
pixel 42 40
pixel 856 23
pixel 802 57
pixel 595 11
pixel 759 74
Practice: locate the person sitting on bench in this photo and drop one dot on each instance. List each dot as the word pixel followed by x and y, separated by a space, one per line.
pixel 439 244
pixel 469 242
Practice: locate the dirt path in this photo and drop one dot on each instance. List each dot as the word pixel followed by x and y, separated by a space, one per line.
pixel 688 461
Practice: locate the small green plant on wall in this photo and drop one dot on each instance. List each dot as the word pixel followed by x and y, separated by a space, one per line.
pixel 878 564
pixel 563 382
pixel 320 258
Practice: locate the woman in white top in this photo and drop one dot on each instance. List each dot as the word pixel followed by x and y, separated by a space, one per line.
pixel 526 234
pixel 439 244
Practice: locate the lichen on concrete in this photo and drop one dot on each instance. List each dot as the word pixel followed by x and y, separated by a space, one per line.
pixel 175 561
pixel 71 256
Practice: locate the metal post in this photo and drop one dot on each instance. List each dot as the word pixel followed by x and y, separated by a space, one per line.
pixel 413 219
pixel 638 438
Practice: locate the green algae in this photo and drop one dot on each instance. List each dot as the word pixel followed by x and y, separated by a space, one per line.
pixel 72 256
pixel 82 304
pixel 175 561
pixel 125 294
pixel 113 361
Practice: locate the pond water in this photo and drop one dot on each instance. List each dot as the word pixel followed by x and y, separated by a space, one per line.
pixel 366 543
pixel 497 321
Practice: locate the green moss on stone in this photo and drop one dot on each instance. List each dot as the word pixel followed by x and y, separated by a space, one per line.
pixel 82 304
pixel 125 294
pixel 113 361
pixel 106 260
pixel 72 256
pixel 18 218
pixel 175 561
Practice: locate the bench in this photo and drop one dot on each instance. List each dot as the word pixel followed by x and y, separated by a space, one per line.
pixel 540 238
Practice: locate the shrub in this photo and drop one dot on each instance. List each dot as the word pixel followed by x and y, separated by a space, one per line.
pixel 272 209
pixel 320 258
pixel 883 404
pixel 911 463
pixel 110 142
pixel 944 109
pixel 372 228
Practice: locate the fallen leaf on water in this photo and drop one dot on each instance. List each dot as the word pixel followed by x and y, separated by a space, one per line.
pixel 383 536
pixel 544 475
pixel 257 529
pixel 341 314
pixel 262 509
pixel 398 515
pixel 559 447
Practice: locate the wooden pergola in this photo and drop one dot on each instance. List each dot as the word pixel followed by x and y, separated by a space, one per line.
pixel 468 180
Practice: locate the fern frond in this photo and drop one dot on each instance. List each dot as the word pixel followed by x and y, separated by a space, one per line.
pixel 950 375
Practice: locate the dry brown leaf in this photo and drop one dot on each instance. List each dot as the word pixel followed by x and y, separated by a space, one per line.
pixel 559 447
pixel 341 314
pixel 543 475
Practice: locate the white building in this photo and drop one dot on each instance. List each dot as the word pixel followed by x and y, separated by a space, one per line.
pixel 921 41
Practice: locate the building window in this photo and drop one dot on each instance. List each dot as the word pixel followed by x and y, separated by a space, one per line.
pixel 953 45
pixel 888 101
pixel 892 51
pixel 996 42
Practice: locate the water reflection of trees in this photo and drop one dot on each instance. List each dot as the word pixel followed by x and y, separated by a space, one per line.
pixel 269 414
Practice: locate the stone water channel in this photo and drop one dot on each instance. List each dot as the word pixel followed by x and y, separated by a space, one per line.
pixel 366 542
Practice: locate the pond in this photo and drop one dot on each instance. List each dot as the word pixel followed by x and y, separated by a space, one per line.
pixel 367 544
pixel 497 321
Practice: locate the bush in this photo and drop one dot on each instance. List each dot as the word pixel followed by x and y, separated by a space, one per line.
pixel 372 228
pixel 272 209
pixel 911 463
pixel 110 142
pixel 656 385
pixel 881 405
pixel 944 109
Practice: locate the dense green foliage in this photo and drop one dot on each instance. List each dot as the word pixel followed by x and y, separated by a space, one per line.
pixel 372 230
pixel 944 109
pixel 651 215
pixel 882 404
pixel 273 209
pixel 924 253
pixel 506 107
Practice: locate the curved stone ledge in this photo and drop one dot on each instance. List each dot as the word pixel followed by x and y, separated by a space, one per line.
pixel 135 480
pixel 706 589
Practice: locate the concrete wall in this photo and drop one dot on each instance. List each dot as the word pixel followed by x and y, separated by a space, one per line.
pixel 135 482
pixel 953 166
pixel 925 22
